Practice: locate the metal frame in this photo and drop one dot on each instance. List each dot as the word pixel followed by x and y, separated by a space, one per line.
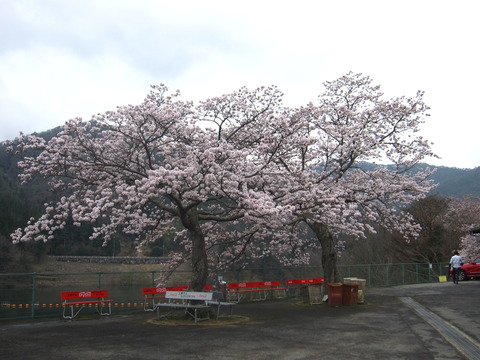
pixel 98 304
pixel 187 307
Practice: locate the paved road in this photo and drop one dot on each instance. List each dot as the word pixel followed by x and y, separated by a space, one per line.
pixel 405 322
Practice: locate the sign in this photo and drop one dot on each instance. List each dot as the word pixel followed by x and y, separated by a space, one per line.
pixel 189 295
pixel 84 294
pixel 162 290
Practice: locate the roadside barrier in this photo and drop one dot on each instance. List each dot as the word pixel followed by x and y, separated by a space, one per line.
pixel 59 305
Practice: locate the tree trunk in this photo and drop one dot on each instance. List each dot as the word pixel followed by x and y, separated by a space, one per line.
pixel 329 254
pixel 199 252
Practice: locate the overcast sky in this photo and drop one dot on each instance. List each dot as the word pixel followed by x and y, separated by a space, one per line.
pixel 61 59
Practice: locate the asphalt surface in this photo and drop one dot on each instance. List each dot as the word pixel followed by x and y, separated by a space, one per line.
pixel 404 322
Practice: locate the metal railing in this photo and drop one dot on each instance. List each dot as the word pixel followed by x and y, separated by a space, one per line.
pixel 37 295
pixel 378 275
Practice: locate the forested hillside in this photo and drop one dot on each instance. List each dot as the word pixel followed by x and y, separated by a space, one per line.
pixel 453 182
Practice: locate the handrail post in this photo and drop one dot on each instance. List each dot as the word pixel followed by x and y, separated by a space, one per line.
pixel 386 274
pixel 34 280
pixel 369 275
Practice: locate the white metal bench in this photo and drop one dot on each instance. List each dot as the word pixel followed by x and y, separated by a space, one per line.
pixel 150 294
pixel 218 302
pixel 192 302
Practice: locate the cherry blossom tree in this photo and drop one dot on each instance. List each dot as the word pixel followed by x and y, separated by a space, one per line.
pixel 230 174
pixel 336 192
pixel 470 247
pixel 150 168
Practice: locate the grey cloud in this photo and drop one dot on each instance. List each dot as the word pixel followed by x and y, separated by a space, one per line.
pixel 157 40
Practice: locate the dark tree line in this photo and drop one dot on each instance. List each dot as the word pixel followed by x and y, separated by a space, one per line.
pixel 443 221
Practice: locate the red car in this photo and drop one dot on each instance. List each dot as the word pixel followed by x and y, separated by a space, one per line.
pixel 469 270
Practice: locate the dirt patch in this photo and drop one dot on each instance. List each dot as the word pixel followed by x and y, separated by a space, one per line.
pixel 53 266
pixel 59 273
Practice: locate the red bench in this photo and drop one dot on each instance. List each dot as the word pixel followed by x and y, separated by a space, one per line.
pixel 95 297
pixel 150 294
pixel 259 289
pixel 298 283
